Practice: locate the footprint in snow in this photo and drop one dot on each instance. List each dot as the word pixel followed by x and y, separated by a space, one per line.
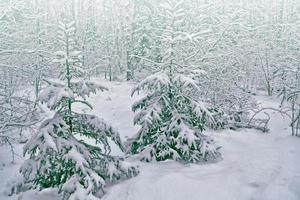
pixel 108 99
pixel 254 184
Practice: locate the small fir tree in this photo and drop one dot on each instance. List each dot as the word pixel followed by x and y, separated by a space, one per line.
pixel 171 115
pixel 59 157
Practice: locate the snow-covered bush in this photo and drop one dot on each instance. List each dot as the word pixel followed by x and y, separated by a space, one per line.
pixel 233 110
pixel 59 157
pixel 229 103
pixel 17 112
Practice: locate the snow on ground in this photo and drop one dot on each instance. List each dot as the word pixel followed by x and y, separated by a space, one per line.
pixel 255 165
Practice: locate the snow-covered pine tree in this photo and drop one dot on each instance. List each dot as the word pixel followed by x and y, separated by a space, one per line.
pixel 59 157
pixel 170 114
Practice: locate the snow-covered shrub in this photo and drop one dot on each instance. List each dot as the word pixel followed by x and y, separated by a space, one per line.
pixel 220 119
pixel 17 112
pixel 238 106
pixel 229 103
pixel 59 157
pixel 171 121
pixel 233 109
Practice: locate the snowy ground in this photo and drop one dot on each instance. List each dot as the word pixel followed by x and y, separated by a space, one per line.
pixel 255 165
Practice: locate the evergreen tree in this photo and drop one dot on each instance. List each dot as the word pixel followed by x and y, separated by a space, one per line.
pixel 171 115
pixel 58 154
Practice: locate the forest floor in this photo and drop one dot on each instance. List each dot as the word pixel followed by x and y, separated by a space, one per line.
pixel 254 165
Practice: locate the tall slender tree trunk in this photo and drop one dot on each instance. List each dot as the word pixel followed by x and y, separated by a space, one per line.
pixel 69 83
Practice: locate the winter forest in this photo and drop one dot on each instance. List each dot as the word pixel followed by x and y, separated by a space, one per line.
pixel 149 99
